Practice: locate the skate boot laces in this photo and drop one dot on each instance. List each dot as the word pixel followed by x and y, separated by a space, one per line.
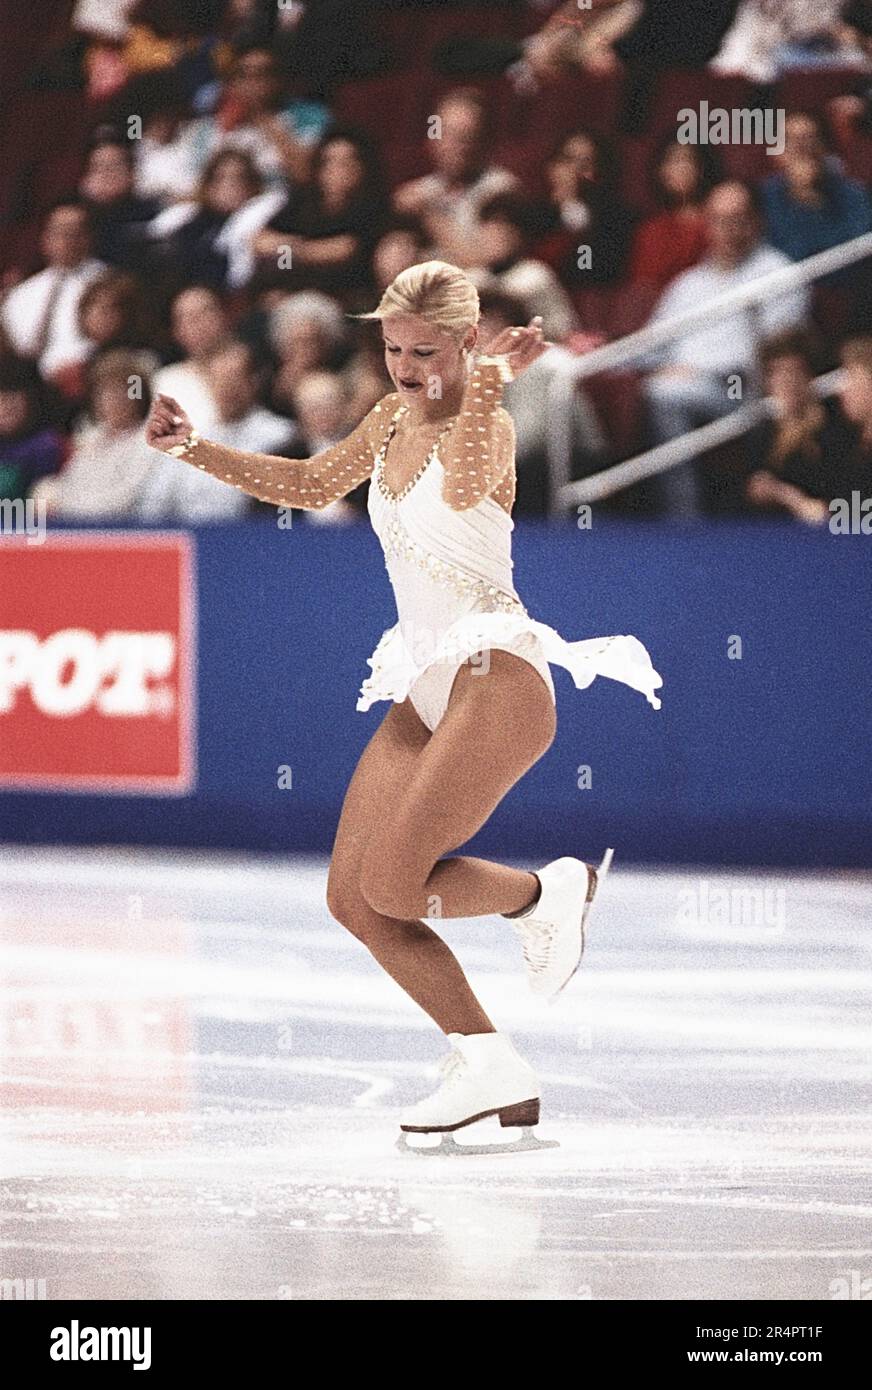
pixel 537 943
pixel 452 1068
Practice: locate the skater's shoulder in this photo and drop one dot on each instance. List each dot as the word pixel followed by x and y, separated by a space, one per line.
pixel 385 407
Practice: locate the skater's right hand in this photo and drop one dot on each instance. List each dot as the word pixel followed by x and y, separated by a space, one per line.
pixel 167 424
pixel 520 346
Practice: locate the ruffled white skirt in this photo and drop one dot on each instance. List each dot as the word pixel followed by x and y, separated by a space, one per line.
pixel 396 667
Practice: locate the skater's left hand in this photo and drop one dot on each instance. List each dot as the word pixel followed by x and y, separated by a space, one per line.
pixel 520 346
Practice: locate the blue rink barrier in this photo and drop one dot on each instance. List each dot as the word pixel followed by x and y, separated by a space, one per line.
pixel 764 759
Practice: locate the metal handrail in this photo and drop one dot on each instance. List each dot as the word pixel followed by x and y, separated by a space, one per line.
pixel 622 475
pixel 567 369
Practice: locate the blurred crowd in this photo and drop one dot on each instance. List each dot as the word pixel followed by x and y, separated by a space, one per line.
pixel 226 221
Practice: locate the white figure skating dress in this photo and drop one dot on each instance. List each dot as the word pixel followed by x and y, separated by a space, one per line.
pixel 447 544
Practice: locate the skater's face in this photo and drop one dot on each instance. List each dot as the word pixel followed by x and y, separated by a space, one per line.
pixel 423 362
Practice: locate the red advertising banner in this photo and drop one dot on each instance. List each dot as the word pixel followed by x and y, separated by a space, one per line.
pixel 97 662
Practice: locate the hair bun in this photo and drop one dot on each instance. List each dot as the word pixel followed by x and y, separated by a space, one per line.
pixel 441 293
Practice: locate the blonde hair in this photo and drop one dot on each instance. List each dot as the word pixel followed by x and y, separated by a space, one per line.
pixel 433 290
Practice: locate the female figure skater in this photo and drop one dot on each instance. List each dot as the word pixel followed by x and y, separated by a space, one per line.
pixel 467 670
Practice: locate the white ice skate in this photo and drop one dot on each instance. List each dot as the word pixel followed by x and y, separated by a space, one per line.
pixel 482 1076
pixel 552 936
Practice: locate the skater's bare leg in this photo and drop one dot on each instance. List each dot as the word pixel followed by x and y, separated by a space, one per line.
pixel 497 725
pixel 409 950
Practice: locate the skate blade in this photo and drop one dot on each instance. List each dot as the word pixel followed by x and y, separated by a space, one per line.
pixel 601 874
pixel 448 1147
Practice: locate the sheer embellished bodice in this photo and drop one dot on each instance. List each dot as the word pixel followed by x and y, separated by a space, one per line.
pixel 446 537
pixel 428 543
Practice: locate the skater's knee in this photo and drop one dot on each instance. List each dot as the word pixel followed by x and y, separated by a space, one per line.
pixel 390 891
pixel 347 906
pixel 377 889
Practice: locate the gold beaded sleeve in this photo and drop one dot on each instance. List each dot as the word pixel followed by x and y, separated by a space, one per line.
pixel 478 451
pixel 309 484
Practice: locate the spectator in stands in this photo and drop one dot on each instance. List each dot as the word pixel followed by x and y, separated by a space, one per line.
pixel 321 43
pixel 279 135
pixel 668 34
pixel 583 213
pixel 149 36
pixel 163 169
pixel 118 214
pixel 108 471
pixel 856 402
pixel 187 495
pixel 322 408
pixel 810 205
pixel 235 379
pixel 40 315
pixel 111 314
pixel 701 374
pixel 200 327
pixel 403 245
pixel 28 451
pixel 210 240
pixel 766 39
pixel 573 36
pixel 601 37
pixel 642 38
pixel 448 202
pixel 523 399
pixel 674 239
pixel 308 333
pixel 851 114
pixel 799 456
pixel 112 311
pixel 504 238
pixel 331 226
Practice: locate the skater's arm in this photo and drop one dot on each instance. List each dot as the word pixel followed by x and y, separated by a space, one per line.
pixel 479 449
pixel 310 484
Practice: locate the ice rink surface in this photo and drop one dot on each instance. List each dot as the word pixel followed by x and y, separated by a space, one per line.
pixel 201 1075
